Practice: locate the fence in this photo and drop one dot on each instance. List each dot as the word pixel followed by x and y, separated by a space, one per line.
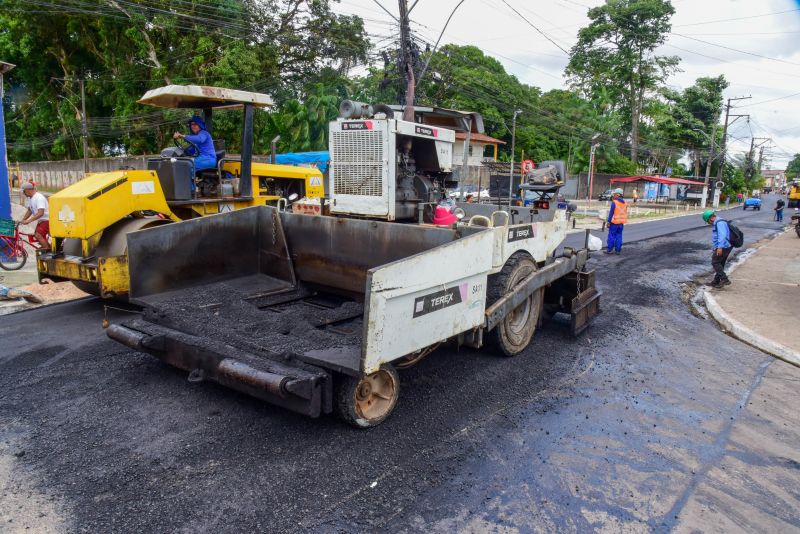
pixel 56 175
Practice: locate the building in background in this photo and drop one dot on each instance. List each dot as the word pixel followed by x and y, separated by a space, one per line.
pixel 773 178
pixel 478 144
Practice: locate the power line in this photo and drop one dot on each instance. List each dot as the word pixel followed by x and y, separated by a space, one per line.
pixel 738 18
pixel 735 49
pixel 532 25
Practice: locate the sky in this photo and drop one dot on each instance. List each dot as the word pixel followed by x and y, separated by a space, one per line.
pixel 754 43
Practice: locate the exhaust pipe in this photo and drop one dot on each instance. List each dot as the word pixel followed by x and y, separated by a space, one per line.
pixel 273 146
pixel 350 109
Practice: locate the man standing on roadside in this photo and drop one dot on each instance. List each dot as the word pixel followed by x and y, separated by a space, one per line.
pixel 722 247
pixel 779 210
pixel 617 218
pixel 635 195
pixel 38 210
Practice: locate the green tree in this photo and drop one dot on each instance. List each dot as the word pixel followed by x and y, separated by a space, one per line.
pixel 280 47
pixel 793 168
pixel 616 53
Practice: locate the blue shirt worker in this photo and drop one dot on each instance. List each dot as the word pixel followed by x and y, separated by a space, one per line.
pixel 779 210
pixel 617 218
pixel 721 240
pixel 207 157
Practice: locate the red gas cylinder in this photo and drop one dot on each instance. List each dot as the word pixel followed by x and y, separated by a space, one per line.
pixel 443 217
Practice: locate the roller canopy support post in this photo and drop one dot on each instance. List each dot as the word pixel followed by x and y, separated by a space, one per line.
pixel 246 178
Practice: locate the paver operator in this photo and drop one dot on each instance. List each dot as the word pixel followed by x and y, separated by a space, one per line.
pixel 207 158
pixel 722 247
pixel 617 218
pixel 38 210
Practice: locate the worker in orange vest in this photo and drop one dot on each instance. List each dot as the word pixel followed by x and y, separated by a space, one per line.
pixel 617 218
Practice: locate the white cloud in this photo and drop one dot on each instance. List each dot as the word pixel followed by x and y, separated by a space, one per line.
pixel 492 26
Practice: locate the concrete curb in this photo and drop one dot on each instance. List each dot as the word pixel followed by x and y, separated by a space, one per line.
pixel 13 306
pixel 741 332
pixel 745 334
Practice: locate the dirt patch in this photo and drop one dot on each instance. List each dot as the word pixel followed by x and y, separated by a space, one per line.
pixel 55 292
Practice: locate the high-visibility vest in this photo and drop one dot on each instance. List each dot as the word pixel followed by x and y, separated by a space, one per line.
pixel 620 212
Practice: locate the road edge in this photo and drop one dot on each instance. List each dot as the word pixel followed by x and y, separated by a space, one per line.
pixel 743 333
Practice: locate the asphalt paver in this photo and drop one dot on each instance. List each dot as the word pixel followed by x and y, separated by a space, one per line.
pixel 624 428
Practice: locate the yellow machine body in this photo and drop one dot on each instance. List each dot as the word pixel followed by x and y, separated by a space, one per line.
pixel 89 219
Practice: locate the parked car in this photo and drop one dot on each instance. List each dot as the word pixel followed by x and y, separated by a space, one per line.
pixel 752 202
pixel 606 195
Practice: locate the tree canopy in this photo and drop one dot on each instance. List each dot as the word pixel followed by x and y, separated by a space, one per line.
pixel 121 49
pixel 304 55
pixel 615 53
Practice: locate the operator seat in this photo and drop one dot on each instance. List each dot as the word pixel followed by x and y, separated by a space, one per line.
pixel 219 148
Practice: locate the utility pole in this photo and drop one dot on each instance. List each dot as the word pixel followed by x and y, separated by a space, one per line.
pixel 723 148
pixel 84 130
pixel 406 61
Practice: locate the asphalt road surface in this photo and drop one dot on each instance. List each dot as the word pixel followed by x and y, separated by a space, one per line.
pixel 627 428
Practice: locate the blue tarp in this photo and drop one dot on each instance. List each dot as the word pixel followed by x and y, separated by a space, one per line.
pixel 319 159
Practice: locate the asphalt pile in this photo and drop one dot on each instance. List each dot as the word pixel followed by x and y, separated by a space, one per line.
pixel 295 322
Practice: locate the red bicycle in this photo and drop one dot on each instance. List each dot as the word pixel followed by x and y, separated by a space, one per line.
pixel 12 249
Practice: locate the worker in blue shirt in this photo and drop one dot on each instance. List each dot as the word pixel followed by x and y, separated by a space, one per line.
pixel 720 236
pixel 207 157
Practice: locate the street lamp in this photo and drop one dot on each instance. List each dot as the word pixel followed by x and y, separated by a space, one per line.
pixel 5 188
pixel 511 169
pixel 591 167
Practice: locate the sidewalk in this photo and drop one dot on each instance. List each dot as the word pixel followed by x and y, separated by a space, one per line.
pixel 762 306
pixel 27 279
pixel 592 222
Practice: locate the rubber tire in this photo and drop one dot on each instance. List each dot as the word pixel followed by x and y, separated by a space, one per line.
pixel 19 264
pixel 344 396
pixel 797 230
pixel 759 208
pixel 744 208
pixel 518 266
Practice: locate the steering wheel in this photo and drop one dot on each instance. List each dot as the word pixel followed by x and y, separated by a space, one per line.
pixel 188 148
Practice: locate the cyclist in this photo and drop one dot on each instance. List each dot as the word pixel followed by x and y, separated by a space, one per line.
pixel 38 210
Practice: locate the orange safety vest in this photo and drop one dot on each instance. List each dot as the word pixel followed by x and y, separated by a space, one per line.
pixel 620 213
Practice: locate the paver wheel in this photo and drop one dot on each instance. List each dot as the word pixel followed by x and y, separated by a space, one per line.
pixel 367 401
pixel 514 333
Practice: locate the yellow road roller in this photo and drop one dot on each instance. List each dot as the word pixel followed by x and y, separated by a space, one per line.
pixel 89 220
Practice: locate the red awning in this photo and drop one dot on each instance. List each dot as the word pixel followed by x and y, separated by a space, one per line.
pixel 657 179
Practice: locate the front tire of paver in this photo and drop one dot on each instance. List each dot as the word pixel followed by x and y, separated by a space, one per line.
pixel 515 332
pixel 366 401
pixel 797 230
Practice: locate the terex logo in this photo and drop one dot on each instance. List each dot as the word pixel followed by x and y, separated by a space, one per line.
pixel 442 301
pixel 524 232
pixel 362 125
pixel 437 301
pixel 422 130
